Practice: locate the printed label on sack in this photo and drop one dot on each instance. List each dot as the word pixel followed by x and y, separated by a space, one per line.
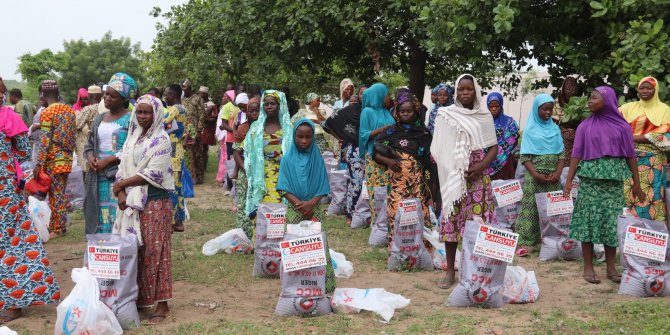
pixel 276 222
pixel 496 243
pixel 409 214
pixel 558 204
pixel 508 194
pixel 646 243
pixel 104 262
pixel 364 191
pixel 575 189
pixel 303 253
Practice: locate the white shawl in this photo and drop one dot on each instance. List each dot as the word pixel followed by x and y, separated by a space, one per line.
pixel 458 132
pixel 149 157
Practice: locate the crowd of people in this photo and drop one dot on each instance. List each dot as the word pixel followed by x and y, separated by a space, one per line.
pixel 141 156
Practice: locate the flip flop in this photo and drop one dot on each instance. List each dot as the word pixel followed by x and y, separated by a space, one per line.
pixel 445 283
pixel 615 278
pixel 162 318
pixel 591 279
pixel 4 318
pixel 522 252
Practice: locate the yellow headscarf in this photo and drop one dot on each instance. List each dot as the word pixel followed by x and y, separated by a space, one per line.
pixel 657 112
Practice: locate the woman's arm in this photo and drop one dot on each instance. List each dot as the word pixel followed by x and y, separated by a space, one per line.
pixel 239 161
pixel 637 189
pixel 528 164
pixel 641 139
pixel 574 162
pixel 478 169
pixel 390 163
pixel 128 182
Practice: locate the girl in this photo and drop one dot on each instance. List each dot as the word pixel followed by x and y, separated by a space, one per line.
pixel 409 142
pixel 507 132
pixel 267 140
pixel 650 120
pixel 316 115
pixel 444 95
pixel 462 132
pixel 542 153
pixel 604 155
pixel 242 220
pixel 303 179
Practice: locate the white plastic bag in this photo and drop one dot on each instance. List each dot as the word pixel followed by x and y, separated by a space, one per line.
pixel 233 241
pixel 439 252
pixel 520 286
pixel 82 312
pixel 40 214
pixel 75 191
pixel 4 330
pixel 343 268
pixel 378 300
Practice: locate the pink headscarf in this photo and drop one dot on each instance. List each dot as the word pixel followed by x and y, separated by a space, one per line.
pixel 12 125
pixel 79 105
pixel 231 95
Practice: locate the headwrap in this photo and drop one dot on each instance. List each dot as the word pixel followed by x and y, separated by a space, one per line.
pixel 153 165
pixel 541 137
pixel 303 173
pixel 604 133
pixel 433 113
pixel 507 133
pixel 10 122
pixel 310 97
pixel 231 95
pixel 373 116
pixel 203 89
pixel 123 84
pixel 413 138
pixel 94 89
pixel 657 112
pixel 346 82
pixel 49 86
pixel 458 132
pixel 242 98
pixel 254 159
pixel 79 105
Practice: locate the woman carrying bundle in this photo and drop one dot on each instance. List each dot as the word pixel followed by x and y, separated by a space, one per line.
pixel 507 132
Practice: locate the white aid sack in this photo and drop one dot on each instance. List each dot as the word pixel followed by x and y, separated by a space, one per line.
pixel 119 294
pixel 343 268
pixel 82 312
pixel 554 231
pixel 480 278
pixel 407 249
pixel 380 228
pixel 643 277
pixel 361 216
pixel 304 291
pixel 338 189
pixel 270 223
pixel 506 215
pixel 233 241
pixel 40 214
pixel 378 300
pixel 520 286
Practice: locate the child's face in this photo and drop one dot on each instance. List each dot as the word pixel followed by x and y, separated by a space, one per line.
pixel 545 110
pixel 303 137
pixel 494 108
pixel 406 113
pixel 442 97
pixel 353 99
pixel 253 111
pixel 596 102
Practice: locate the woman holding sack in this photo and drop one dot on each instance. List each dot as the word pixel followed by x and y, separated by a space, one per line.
pixel 143 187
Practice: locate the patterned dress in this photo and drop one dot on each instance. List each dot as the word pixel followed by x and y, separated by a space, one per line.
pixel 356 176
pixel 477 201
pixel 57 144
pixel 26 276
pixel 178 114
pixel 600 200
pixel 195 107
pixel 375 176
pixel 154 259
pixel 242 220
pixel 273 153
pixel 111 137
pixel 84 120
pixel 527 224
pixel 652 164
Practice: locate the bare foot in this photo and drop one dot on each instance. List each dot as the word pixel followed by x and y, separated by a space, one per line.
pixel 591 277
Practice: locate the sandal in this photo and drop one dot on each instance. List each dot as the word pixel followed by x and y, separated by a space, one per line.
pixel 615 278
pixel 161 318
pixel 445 283
pixel 178 227
pixel 4 318
pixel 592 279
pixel 521 252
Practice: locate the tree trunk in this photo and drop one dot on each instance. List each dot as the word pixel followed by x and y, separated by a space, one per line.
pixel 417 69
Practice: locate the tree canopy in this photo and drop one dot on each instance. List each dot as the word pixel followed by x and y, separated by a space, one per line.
pixel 82 64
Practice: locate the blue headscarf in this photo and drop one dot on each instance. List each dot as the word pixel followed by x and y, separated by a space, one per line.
pixel 303 173
pixel 254 159
pixel 123 84
pixel 507 133
pixel 541 137
pixel 373 116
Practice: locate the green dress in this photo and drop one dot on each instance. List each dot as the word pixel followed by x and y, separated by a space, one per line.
pixel 600 200
pixel 528 223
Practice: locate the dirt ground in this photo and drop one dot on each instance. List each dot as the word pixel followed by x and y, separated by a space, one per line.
pixel 218 295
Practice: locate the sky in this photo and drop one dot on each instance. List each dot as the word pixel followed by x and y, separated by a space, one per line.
pixel 33 25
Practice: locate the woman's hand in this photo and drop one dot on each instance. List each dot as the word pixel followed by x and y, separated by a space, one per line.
pixel 638 194
pixel 306 208
pixel 36 171
pixel 104 163
pixel 554 177
pixel 474 172
pixel 567 189
pixel 118 187
pixel 122 200
pixel 93 163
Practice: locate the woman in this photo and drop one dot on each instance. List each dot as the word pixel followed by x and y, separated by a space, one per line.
pixel 462 132
pixel 569 89
pixel 242 220
pixel 445 97
pixel 267 140
pixel 375 119
pixel 316 115
pixel 346 91
pixel 650 120
pixel 542 153
pixel 303 179
pixel 143 184
pixel 102 152
pixel 82 100
pixel 174 121
pixel 406 160
pixel 604 154
pixel 26 276
pixel 507 132
pixel 225 131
